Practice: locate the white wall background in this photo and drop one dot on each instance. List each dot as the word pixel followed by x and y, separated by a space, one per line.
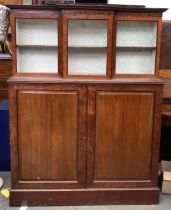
pixel 148 3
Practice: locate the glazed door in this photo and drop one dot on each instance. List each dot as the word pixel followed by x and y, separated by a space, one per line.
pixel 121 148
pixel 36 43
pixel 51 136
pixel 87 48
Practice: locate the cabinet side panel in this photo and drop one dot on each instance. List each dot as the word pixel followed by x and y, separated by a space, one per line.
pixel 47 127
pixel 123 135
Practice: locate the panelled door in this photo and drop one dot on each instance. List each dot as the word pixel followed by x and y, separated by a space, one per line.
pixel 50 136
pixel 121 149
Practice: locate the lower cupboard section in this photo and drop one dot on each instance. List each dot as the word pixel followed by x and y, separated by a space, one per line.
pixel 82 144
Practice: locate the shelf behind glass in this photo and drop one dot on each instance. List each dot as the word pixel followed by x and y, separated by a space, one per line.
pixel 136 33
pixel 37 60
pixel 136 47
pixel 36 32
pixel 135 61
pixel 87 61
pixel 37 46
pixel 87 46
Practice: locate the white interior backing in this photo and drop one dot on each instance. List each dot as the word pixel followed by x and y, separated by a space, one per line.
pixel 87 32
pixel 36 32
pixel 87 61
pixel 37 60
pixel 136 33
pixel 135 61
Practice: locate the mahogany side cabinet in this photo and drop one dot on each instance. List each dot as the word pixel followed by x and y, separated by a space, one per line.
pixel 85 104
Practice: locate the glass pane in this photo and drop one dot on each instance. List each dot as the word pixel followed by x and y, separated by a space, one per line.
pixel 87 61
pixel 87 43
pixel 135 61
pixel 36 32
pixel 37 60
pixel 87 33
pixel 136 33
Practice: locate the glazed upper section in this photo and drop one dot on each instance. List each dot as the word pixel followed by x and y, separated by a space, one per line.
pixel 86 41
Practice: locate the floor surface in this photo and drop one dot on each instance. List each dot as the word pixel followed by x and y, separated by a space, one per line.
pixel 165 203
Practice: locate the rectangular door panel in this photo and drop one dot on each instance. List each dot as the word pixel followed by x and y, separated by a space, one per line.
pixel 123 135
pixel 48 135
